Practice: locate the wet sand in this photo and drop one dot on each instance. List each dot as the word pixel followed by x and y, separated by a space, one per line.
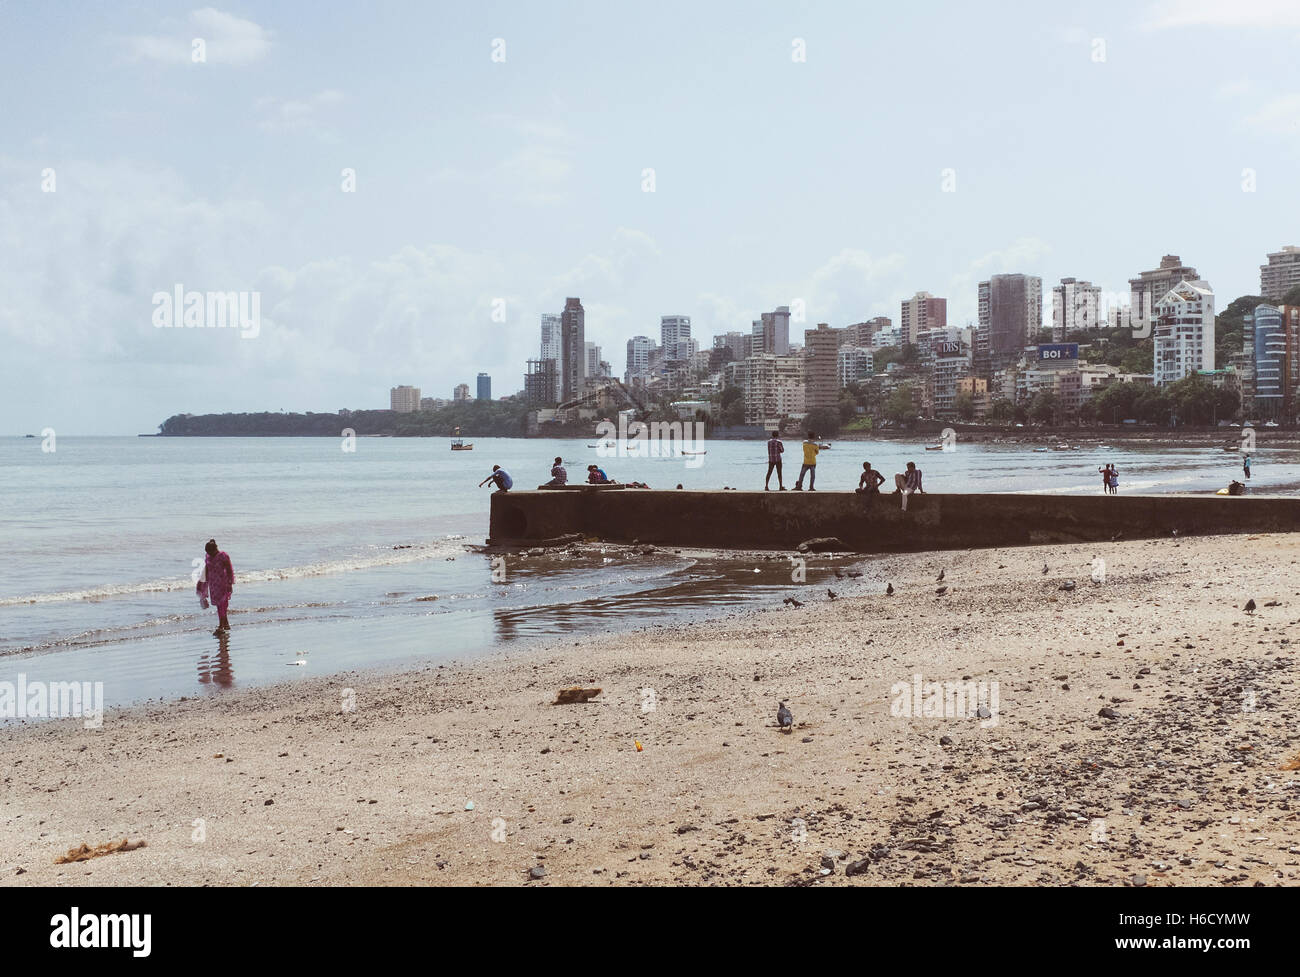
pixel 1181 782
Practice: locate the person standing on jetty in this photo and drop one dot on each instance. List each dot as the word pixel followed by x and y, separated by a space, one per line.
pixel 499 477
pixel 774 451
pixel 217 583
pixel 870 481
pixel 810 449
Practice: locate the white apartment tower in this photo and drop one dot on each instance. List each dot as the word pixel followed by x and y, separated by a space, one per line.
pixel 1076 306
pixel 1184 331
pixel 674 336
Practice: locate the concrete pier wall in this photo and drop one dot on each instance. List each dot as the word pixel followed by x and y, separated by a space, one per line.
pixel 775 520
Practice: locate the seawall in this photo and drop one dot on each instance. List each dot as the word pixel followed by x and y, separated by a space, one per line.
pixel 779 520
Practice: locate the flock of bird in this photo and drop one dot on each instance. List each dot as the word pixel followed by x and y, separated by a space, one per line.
pixel 785 718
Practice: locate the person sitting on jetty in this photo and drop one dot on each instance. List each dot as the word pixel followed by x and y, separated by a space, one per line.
pixel 558 474
pixel 500 478
pixel 810 449
pixel 597 476
pixel 774 451
pixel 870 481
pixel 1236 488
pixel 906 484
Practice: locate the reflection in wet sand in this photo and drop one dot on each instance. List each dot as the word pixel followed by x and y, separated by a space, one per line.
pixel 216 669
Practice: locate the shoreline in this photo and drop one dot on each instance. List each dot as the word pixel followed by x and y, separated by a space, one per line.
pixel 291 788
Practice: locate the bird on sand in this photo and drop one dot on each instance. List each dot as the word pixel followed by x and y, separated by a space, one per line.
pixel 792 602
pixel 853 573
pixel 1044 569
pixel 831 594
pixel 889 590
pixel 941 591
pixel 1250 606
pixel 839 574
pixel 942 571
pixel 784 717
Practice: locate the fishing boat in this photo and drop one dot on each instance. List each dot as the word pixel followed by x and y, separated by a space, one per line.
pixel 458 443
pixel 695 452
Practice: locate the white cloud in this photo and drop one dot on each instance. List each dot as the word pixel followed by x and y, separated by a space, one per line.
pixel 1278 114
pixel 227 40
pixel 1234 89
pixel 1223 13
pixel 295 114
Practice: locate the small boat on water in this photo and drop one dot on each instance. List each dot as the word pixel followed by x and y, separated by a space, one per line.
pixel 458 443
pixel 695 452
pixel 934 447
pixel 603 444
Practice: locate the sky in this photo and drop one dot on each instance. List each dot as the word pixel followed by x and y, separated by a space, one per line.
pixel 406 187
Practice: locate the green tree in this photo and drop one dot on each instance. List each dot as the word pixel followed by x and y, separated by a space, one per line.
pixel 899 407
pixel 1001 411
pixel 1044 408
pixel 824 420
pixel 965 406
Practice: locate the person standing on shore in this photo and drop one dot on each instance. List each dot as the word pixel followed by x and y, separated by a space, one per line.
pixel 1112 480
pixel 1105 479
pixel 217 582
pixel 810 449
pixel 1245 466
pixel 774 451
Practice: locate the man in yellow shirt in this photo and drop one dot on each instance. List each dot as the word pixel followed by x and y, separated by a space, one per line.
pixel 810 449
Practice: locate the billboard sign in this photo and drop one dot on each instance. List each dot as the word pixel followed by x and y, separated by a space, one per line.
pixel 1058 351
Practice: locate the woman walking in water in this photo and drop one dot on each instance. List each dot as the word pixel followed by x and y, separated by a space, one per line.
pixel 217 582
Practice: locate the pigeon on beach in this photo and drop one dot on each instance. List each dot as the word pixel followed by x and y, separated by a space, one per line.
pixel 1250 606
pixel 889 590
pixel 784 717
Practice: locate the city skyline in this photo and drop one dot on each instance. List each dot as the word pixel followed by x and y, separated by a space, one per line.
pixel 378 230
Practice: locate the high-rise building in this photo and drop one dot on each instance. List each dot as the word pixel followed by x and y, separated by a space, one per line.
pixel 593 360
pixel 1281 274
pixel 740 344
pixel 1184 331
pixel 773 386
pixel 1151 286
pixel 638 356
pixel 461 393
pixel 404 399
pixel 1076 306
pixel 674 336
pixel 821 366
pixel 484 391
pixel 1011 315
pixel 541 385
pixel 1269 356
pixel 920 313
pixel 552 348
pixel 573 350
pixel 854 363
pixel 771 333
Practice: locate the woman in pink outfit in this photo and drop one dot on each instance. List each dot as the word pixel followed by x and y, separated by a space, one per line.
pixel 217 582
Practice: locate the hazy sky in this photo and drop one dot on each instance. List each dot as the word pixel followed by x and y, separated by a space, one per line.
pixel 1087 139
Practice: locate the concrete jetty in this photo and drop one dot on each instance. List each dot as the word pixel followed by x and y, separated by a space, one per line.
pixel 779 520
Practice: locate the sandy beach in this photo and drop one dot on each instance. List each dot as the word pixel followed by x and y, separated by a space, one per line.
pixel 468 774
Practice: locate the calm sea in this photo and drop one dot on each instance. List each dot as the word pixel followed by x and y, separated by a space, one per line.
pixel 367 558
